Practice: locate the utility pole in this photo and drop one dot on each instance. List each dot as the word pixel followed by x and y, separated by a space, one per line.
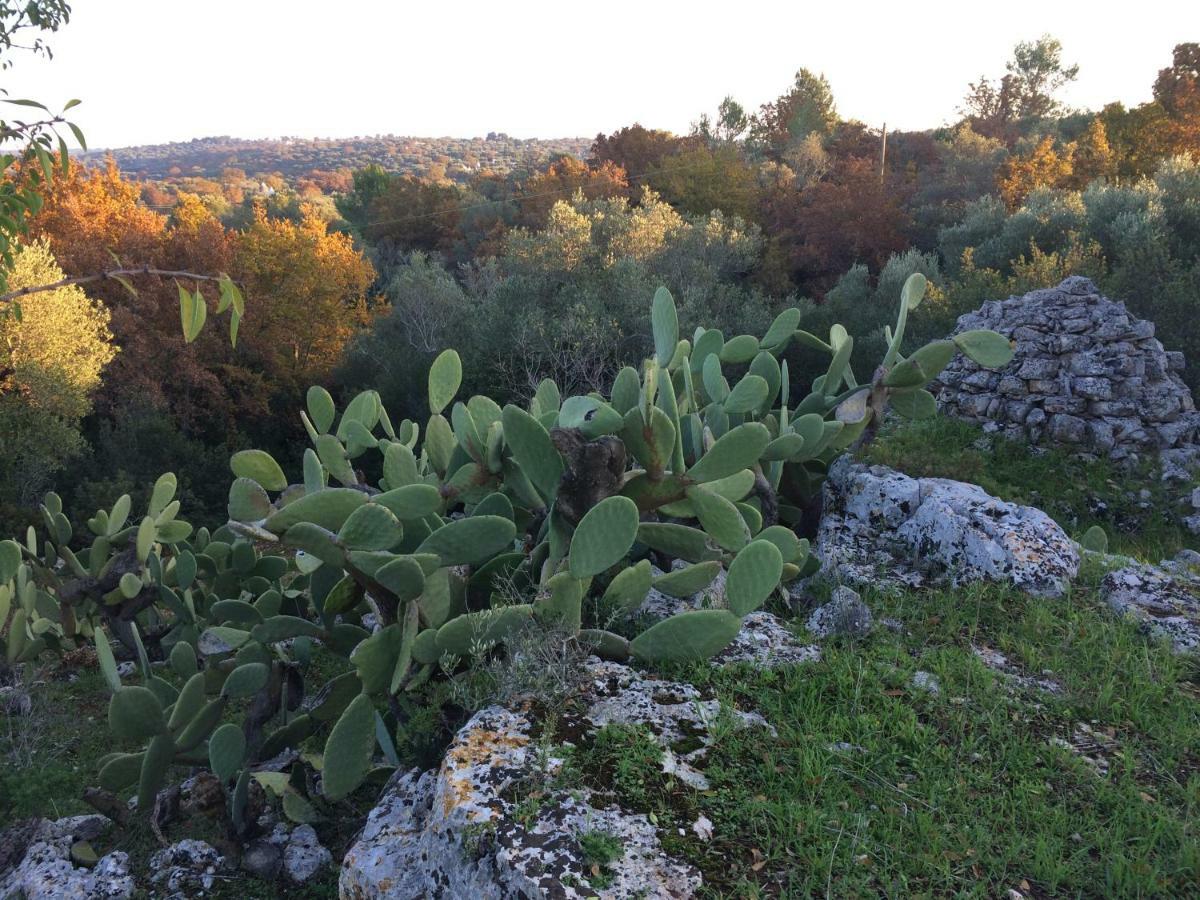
pixel 883 153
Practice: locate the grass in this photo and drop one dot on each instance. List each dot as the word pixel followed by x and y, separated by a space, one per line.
pixel 962 793
pixel 872 786
pixel 1076 493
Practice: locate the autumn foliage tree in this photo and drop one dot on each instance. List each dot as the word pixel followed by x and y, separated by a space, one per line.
pixel 562 179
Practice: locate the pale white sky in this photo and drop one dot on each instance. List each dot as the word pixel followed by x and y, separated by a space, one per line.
pixel 151 71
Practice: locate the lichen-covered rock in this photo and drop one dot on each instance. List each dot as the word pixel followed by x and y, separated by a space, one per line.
pixel 879 524
pixel 1085 374
pixel 767 643
pixel 303 855
pixel 186 869
pixel 455 833
pixel 44 870
pixel 845 615
pixel 1164 603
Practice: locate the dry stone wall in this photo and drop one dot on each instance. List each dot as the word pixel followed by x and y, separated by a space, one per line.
pixel 1086 374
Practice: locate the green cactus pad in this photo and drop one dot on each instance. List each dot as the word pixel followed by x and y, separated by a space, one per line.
pixel 10 560
pixel 664 323
pixel 134 714
pixel 371 527
pixel 349 750
pixel 720 519
pixel 628 589
pixel 245 681
pixel 651 444
pixel 248 502
pixel 740 349
pixel 468 542
pixel 988 348
pixel 328 509
pixel 688 580
pixel 226 751
pixel 781 330
pixel 753 574
pixel 399 466
pixel 317 541
pixel 737 449
pixel 918 404
pixel 445 378
pixel 201 725
pixel 533 450
pixel 603 536
pixel 260 466
pixel 563 603
pixel 783 447
pixel 425 649
pixel 590 415
pixel 321 410
pixel 410 501
pixel 281 628
pixel 188 704
pixel 747 395
pixel 677 541
pixel 334 458
pixel 689 636
pixel 157 760
pixel 120 771
pixel 403 577
pixel 480 630
pixel 790 547
pixel 162 494
pixel 605 644
pixel 375 658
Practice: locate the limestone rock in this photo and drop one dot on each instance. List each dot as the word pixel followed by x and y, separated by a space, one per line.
pixel 44 870
pixel 1165 603
pixel 454 832
pixel 881 524
pixel 845 615
pixel 304 856
pixel 186 869
pixel 767 643
pixel 1085 374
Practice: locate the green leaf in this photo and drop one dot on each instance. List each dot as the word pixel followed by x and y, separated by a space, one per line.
pixel 192 312
pixel 603 536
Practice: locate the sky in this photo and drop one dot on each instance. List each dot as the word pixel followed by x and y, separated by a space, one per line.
pixel 153 71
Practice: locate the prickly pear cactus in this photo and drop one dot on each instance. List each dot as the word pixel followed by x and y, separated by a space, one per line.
pixel 477 525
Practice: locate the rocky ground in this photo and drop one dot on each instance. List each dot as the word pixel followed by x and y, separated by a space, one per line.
pixel 964 703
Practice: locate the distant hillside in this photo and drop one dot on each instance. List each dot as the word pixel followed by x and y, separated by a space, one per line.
pixel 297 157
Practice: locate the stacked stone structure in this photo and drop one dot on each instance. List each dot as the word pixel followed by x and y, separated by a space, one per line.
pixel 1086 374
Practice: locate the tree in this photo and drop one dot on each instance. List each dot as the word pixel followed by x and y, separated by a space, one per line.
pixel 635 149
pixel 807 108
pixel 50 363
pixel 702 179
pixel 1177 91
pixel 37 148
pixel 1043 166
pixel 370 183
pixel 1091 156
pixel 414 214
pixel 562 179
pixel 311 289
pixel 1034 75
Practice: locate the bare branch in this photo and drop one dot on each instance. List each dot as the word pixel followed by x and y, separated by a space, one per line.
pixel 112 274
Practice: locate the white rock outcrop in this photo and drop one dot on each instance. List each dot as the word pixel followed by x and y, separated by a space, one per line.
pixel 881 524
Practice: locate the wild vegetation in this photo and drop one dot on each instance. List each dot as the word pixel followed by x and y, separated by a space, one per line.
pixel 453 435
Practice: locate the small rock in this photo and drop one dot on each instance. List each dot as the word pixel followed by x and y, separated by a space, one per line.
pixel 186 868
pixel 262 859
pixel 703 827
pixel 1164 603
pixel 845 615
pixel 767 643
pixel 304 856
pixel 926 681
